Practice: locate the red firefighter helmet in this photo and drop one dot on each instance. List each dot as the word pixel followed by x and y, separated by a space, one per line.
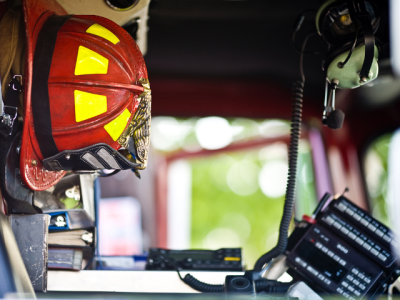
pixel 87 96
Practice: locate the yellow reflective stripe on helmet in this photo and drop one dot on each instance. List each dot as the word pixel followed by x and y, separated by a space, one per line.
pixel 88 105
pixel 90 62
pixel 103 32
pixel 117 126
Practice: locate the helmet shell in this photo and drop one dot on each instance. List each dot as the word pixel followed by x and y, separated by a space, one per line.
pixel 125 66
pixel 93 87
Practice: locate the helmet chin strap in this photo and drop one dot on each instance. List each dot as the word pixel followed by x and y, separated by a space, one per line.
pixel 9 107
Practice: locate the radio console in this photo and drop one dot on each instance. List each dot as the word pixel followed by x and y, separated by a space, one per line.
pixel 346 251
pixel 225 259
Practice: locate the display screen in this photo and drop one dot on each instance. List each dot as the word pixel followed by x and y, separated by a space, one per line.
pixel 195 255
pixel 321 262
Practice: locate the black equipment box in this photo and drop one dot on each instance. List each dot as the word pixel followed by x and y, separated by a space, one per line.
pixel 225 259
pixel 346 251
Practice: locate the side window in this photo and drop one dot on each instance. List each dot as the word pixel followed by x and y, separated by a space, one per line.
pixel 376 177
pixel 227 181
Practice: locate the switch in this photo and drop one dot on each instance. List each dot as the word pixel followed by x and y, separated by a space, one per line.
pixel 337 225
pixel 312 270
pixel 382 257
pixel 352 235
pixel 374 251
pixel 367 246
pixel 359 241
pixel 341 206
pixel 344 230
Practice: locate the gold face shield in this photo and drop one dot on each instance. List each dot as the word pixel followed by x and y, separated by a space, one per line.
pixel 136 138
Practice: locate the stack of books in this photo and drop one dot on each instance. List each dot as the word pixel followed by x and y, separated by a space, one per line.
pixel 70 239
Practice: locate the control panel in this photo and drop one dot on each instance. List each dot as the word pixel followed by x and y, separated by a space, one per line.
pixel 225 259
pixel 361 230
pixel 346 251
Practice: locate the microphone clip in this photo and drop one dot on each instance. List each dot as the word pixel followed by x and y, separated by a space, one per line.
pixel 331 117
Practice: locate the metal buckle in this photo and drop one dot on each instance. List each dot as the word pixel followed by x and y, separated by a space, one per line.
pixel 8 118
pixel 13 86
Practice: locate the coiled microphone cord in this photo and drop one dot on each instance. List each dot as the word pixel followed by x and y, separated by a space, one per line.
pixel 201 286
pixel 261 285
pixel 291 184
pixel 298 88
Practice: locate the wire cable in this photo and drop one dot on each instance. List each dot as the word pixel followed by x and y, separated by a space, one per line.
pixel 303 51
pixel 296 28
pixel 295 132
pixel 201 286
pixel 341 64
pixel 261 285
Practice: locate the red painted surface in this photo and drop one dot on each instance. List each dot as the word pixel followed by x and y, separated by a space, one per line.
pixel 121 86
pixel 309 219
pixel 226 98
pixel 233 147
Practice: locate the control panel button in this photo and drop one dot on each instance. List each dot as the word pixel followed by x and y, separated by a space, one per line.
pixel 351 298
pixel 361 275
pixel 362 287
pixel 329 220
pixel 346 295
pixel 349 211
pixel 367 280
pixel 357 217
pixel 349 277
pixel 339 290
pixel 345 284
pixel 337 258
pixel 354 271
pixel 330 253
pixel 367 246
pixel 342 262
pixel 364 222
pixel 379 233
pixel 351 289
pixel 359 241
pixel 322 277
pixel 324 249
pixel 327 281
pixel 357 293
pixel 382 257
pixel 312 270
pixel 356 282
pixel 352 236
pixel 371 227
pixel 337 225
pixel 341 206
pixel 344 230
pixel 318 245
pixel 374 251
pixel 300 262
pixel 385 237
